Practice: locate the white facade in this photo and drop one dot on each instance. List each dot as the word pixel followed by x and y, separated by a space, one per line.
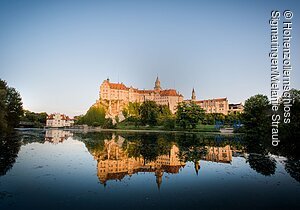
pixel 58 121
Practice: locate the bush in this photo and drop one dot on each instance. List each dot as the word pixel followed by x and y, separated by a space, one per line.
pixel 108 124
pixel 169 123
pixel 95 124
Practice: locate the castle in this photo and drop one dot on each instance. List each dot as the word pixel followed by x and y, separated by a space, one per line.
pixel 217 105
pixel 116 96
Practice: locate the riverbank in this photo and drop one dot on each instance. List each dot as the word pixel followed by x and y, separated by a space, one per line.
pixel 148 129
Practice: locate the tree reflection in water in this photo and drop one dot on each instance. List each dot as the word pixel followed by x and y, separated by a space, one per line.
pixel 164 152
pixel 195 147
pixel 124 154
pixel 9 149
pixel 292 166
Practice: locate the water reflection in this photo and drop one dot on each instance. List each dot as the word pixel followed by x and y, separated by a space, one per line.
pixel 123 154
pixel 118 157
pixel 9 149
pixel 61 169
pixel 114 161
pixel 56 136
pixel 219 154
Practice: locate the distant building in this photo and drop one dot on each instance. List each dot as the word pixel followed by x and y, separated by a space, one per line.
pixel 116 96
pixel 217 105
pixel 236 108
pixel 59 121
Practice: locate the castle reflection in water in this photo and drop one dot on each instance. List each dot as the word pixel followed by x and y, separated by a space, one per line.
pixel 114 161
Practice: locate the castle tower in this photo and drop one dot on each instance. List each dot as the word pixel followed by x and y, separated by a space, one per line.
pixel 157 84
pixel 193 95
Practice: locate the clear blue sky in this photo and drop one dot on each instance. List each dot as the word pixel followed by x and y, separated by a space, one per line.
pixel 57 53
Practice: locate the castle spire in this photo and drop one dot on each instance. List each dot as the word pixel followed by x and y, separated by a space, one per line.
pixel 157 84
pixel 193 95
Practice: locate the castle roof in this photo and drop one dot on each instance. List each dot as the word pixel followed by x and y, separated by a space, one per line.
pixel 146 91
pixel 214 99
pixel 117 86
pixel 169 92
pixel 121 86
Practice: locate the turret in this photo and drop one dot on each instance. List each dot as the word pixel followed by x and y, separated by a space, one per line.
pixel 193 95
pixel 157 84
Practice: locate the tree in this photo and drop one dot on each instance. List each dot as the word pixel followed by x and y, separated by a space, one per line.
pixel 11 109
pixel 132 110
pixel 164 114
pixel 34 119
pixel 149 113
pixel 289 132
pixel 189 115
pixel 256 114
pixel 95 116
pixel 3 93
pixel 14 107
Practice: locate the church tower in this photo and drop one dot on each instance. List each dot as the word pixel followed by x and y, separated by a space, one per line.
pixel 193 95
pixel 157 84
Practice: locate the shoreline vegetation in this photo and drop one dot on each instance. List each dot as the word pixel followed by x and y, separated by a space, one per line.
pixel 99 129
pixel 256 119
pixel 150 116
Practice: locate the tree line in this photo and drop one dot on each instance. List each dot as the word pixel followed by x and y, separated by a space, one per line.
pixel 11 108
pixel 12 114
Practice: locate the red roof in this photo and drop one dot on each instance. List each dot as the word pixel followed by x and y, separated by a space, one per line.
pixel 145 91
pixel 215 99
pixel 117 86
pixel 170 92
pixel 63 117
pixel 121 86
pixel 50 117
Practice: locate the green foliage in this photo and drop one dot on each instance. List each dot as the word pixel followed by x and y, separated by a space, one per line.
pixel 95 116
pixel 232 117
pixel 3 93
pixel 11 108
pixel 189 115
pixel 169 123
pixel 256 114
pixel 133 109
pixel 149 113
pixel 209 118
pixel 164 113
pixel 14 107
pixel 291 130
pixel 34 119
pixel 117 119
pixel 79 120
pixel 108 124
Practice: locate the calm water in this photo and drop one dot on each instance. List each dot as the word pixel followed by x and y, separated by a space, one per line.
pixel 58 169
